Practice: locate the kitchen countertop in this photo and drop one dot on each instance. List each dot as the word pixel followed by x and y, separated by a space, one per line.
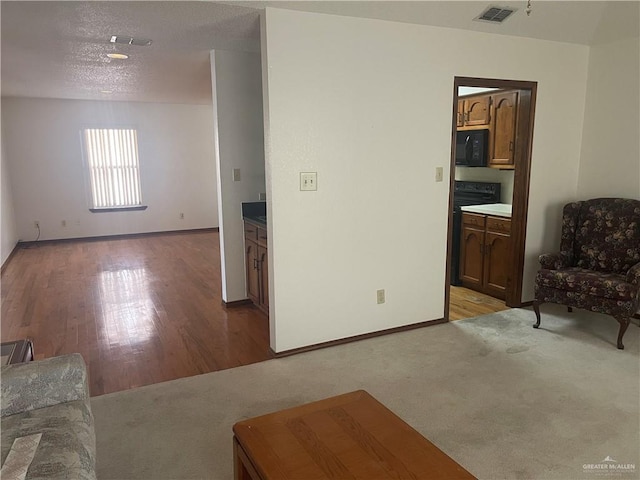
pixel 260 220
pixel 497 209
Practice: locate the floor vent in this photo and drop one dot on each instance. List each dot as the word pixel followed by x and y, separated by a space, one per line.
pixel 495 14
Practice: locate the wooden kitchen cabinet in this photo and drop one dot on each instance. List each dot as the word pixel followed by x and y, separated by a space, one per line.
pixel 484 253
pixel 503 114
pixel 474 111
pixel 263 263
pixel 257 265
pixel 504 107
pixel 253 281
pixel 460 114
pixel 471 250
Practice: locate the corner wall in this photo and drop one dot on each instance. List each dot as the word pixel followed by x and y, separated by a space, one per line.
pixel 8 221
pixel 368 105
pixel 239 143
pixel 43 148
pixel 610 161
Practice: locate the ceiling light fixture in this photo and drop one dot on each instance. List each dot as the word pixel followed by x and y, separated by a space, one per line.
pixel 128 40
pixel 119 56
pixel 106 92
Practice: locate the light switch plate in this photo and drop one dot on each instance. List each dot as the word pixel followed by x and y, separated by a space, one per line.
pixel 439 174
pixel 308 181
pixel 236 174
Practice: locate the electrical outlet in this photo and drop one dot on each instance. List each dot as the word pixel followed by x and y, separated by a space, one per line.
pixel 181 216
pixel 380 296
pixel 36 224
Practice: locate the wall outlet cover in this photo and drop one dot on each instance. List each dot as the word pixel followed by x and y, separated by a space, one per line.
pixel 308 181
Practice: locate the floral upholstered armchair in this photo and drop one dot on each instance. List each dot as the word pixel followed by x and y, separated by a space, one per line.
pixel 598 266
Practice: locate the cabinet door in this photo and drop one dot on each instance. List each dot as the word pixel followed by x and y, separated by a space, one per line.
pixel 460 114
pixel 471 256
pixel 477 110
pixel 503 146
pixel 496 264
pixel 264 277
pixel 251 261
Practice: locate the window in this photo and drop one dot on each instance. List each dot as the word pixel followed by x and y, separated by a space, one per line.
pixel 114 170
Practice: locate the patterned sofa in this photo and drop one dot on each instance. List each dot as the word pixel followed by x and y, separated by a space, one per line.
pixel 598 266
pixel 50 397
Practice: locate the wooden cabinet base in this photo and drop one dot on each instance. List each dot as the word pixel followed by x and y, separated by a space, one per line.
pixel 257 265
pixel 347 436
pixel 484 253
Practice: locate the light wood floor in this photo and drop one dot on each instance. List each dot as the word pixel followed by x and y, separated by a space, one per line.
pixel 140 310
pixel 466 303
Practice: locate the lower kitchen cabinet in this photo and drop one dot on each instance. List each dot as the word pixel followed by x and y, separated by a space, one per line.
pixel 263 267
pixel 484 253
pixel 257 265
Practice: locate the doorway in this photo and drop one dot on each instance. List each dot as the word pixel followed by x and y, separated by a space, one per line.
pixel 490 252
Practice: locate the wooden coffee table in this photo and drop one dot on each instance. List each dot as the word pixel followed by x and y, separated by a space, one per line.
pixel 349 436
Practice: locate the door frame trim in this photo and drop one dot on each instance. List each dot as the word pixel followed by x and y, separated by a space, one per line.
pixel 520 202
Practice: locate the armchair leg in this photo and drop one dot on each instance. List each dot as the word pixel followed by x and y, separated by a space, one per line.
pixel 569 309
pixel 536 308
pixel 624 323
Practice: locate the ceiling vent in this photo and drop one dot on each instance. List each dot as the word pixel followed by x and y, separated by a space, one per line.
pixel 126 40
pixel 495 14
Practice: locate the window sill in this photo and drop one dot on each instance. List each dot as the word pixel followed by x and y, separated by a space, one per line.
pixel 118 209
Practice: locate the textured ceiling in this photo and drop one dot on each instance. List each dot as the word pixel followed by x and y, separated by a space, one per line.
pixel 58 48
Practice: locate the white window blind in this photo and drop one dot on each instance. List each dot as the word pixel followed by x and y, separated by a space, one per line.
pixel 114 169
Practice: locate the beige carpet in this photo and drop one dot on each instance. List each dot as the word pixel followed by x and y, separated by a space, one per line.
pixel 504 400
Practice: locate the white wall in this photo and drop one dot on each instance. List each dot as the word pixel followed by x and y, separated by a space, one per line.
pixel 368 104
pixel 610 161
pixel 8 222
pixel 239 140
pixel 43 148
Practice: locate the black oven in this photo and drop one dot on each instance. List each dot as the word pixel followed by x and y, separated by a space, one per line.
pixel 471 148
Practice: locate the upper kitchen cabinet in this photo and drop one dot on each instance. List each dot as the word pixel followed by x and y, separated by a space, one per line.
pixel 474 111
pixel 503 131
pixel 505 114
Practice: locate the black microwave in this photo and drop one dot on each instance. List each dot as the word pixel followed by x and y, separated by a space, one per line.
pixel 471 148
